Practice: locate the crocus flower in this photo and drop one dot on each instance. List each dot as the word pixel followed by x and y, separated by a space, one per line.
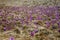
pixel 32 33
pixel 5 29
pixel 59 31
pixel 48 24
pixel 11 38
pixel 35 31
pixel 59 24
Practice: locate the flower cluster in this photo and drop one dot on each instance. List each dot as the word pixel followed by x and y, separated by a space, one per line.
pixel 11 16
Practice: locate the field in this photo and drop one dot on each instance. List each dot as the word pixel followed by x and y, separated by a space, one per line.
pixel 29 20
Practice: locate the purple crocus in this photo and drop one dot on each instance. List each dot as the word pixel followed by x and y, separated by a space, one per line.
pixel 59 24
pixel 31 17
pixel 39 18
pixel 48 24
pixel 35 31
pixel 59 31
pixel 4 28
pixel 11 38
pixel 53 21
pixel 32 33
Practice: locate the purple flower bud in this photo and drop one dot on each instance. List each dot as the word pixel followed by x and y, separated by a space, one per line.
pixel 32 33
pixel 39 18
pixel 5 29
pixel 48 24
pixel 11 38
pixel 35 31
pixel 59 31
pixel 59 24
